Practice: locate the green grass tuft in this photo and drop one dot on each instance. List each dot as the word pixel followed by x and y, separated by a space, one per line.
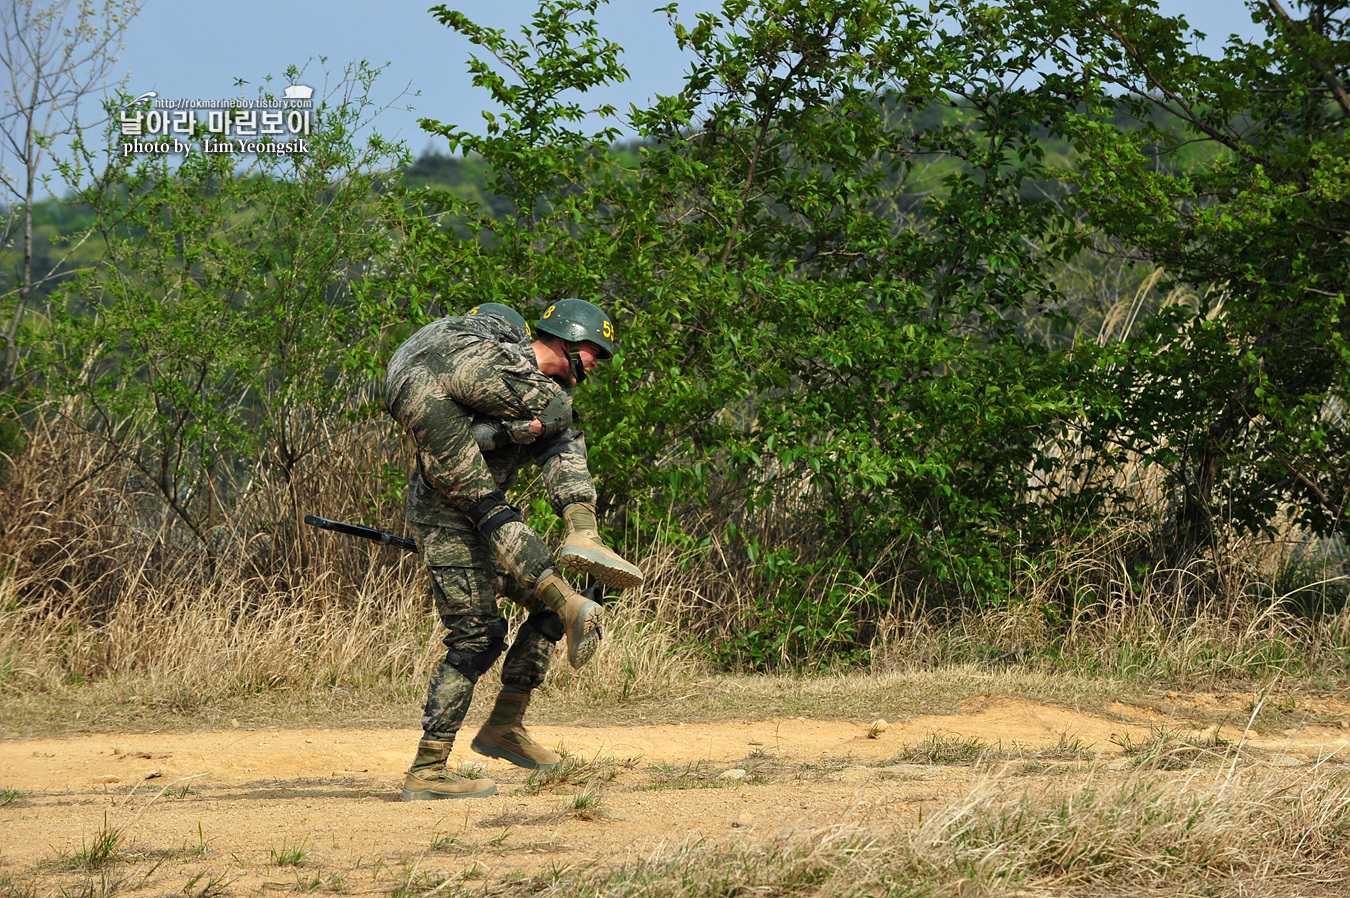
pixel 288 855
pixel 1170 749
pixel 102 851
pixel 587 804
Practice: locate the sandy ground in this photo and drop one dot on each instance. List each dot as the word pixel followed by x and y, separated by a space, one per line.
pixel 239 811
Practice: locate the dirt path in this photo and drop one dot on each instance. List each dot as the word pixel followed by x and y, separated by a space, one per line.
pixel 304 809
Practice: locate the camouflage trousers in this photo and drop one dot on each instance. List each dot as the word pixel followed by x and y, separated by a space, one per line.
pixel 468 597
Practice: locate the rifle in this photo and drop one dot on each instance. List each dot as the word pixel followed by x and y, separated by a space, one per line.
pixel 370 533
pixel 596 592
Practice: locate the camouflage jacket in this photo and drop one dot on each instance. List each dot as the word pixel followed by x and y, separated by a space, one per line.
pixel 487 368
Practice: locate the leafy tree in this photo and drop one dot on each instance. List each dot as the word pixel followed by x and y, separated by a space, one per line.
pixel 792 349
pixel 883 364
pixel 1242 399
pixel 212 345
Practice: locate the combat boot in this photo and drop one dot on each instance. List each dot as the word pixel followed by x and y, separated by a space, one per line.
pixel 583 551
pixel 429 778
pixel 504 736
pixel 581 618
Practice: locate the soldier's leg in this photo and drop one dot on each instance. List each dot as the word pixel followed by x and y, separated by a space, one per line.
pixel 474 640
pixel 582 619
pixel 449 461
pixel 504 735
pixel 567 478
pixel 527 660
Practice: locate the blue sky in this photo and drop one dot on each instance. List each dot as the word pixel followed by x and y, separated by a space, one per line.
pixel 196 49
pixel 190 48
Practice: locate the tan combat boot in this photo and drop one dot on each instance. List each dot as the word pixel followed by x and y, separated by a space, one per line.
pixel 504 736
pixel 429 778
pixel 581 617
pixel 582 551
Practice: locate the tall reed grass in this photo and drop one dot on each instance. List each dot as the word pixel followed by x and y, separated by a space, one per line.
pixel 101 585
pixel 91 593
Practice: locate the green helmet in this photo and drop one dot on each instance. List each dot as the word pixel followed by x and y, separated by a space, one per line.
pixel 575 320
pixel 501 311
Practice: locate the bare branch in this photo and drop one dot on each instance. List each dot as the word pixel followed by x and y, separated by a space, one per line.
pixel 1325 71
pixel 57 54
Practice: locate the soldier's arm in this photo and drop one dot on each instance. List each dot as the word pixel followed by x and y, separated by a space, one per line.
pixel 498 384
pixel 492 434
pixel 566 471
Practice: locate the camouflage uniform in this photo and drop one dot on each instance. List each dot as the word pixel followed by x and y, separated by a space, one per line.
pixel 447 374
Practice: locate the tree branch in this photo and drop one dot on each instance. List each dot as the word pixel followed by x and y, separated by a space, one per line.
pixel 1328 76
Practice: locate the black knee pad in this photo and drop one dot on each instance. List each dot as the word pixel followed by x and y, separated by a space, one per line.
pixel 545 449
pixel 474 664
pixel 491 512
pixel 546 623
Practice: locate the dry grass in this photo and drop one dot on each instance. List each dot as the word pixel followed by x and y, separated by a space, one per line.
pixel 643 657
pixel 1167 748
pixel 225 637
pixel 110 618
pixel 169 665
pixel 1145 831
pixel 1286 834
pixel 122 624
pixel 1239 612
pixel 1277 835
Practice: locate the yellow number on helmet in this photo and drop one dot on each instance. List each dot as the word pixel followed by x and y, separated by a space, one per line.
pixel 550 310
pixel 609 330
pixel 473 311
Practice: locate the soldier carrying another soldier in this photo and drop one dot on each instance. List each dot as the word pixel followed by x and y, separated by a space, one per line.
pixel 481 400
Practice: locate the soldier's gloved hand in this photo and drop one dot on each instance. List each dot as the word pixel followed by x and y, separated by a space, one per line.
pixel 520 430
pixel 496 433
pixel 490 434
pixel 555 418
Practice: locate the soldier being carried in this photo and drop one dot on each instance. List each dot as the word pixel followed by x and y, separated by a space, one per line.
pixel 481 400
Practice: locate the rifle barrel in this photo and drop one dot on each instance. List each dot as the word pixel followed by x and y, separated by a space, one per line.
pixel 369 533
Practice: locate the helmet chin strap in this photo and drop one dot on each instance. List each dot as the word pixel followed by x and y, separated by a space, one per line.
pixel 574 357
